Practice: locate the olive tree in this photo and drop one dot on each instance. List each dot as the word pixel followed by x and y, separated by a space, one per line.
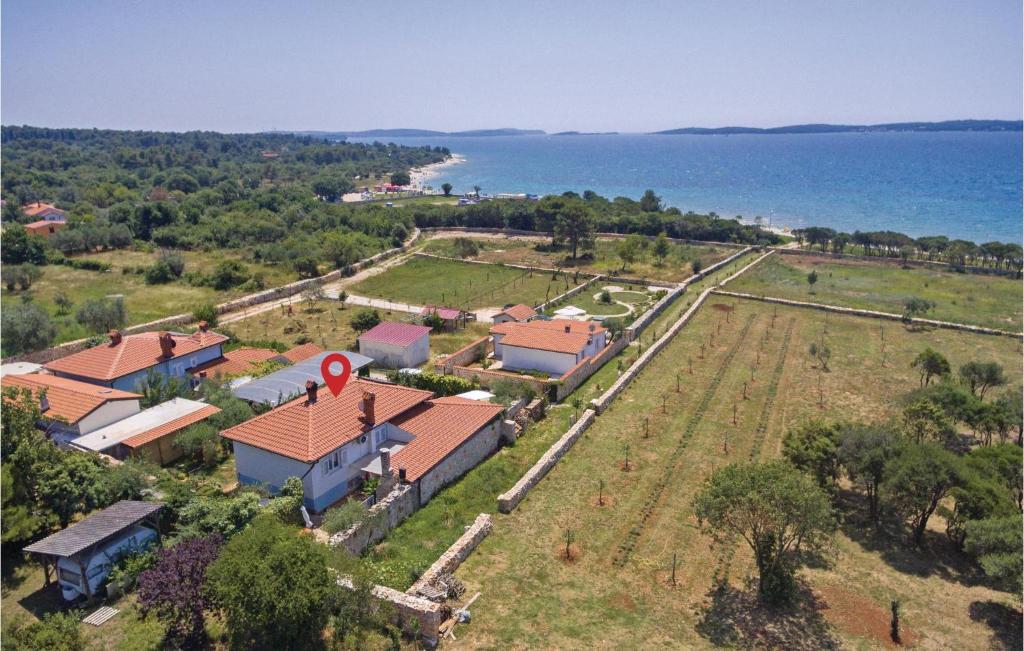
pixel 779 512
pixel 930 364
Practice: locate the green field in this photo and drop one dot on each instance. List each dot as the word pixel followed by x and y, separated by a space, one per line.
pixel 144 302
pixel 991 301
pixel 430 281
pixel 636 296
pixel 616 591
pixel 676 267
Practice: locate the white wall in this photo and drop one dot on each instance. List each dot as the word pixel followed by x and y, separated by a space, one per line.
pixel 515 357
pixel 256 466
pixel 107 413
pixel 392 356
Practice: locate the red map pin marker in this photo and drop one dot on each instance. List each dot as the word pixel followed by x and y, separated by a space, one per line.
pixel 336 382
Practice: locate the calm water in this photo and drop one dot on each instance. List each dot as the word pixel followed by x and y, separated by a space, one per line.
pixel 965 185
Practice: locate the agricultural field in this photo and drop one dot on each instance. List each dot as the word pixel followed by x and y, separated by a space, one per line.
pixel 144 302
pixel 676 267
pixel 327 323
pixel 430 281
pixel 992 301
pixel 616 589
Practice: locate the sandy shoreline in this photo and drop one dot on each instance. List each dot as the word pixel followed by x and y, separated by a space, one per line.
pixel 420 175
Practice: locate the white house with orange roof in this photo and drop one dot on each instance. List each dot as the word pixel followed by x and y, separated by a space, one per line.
pixel 44 212
pixel 550 346
pixel 334 443
pixel 125 361
pixel 519 313
pixel 71 408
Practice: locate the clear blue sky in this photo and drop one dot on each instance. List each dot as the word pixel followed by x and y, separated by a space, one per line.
pixel 615 65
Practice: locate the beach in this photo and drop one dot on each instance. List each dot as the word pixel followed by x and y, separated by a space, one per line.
pixel 418 176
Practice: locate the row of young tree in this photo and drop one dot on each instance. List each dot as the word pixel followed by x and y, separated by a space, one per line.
pixel 937 248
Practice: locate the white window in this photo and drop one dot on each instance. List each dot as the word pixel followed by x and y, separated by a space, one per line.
pixel 333 461
pixel 380 436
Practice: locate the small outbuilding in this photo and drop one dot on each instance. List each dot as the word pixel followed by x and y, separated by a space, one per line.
pixel 518 313
pixel 451 318
pixel 396 345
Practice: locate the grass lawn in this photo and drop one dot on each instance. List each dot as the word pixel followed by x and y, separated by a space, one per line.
pixel 422 281
pixel 675 268
pixel 416 543
pixel 615 590
pixel 992 301
pixel 636 296
pixel 326 324
pixel 144 302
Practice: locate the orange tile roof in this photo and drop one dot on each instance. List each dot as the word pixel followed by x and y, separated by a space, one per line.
pixel 299 353
pixel 307 432
pixel 38 207
pixel 44 226
pixel 235 362
pixel 519 312
pixel 552 340
pixel 170 426
pixel 439 427
pixel 557 325
pixel 135 353
pixel 70 400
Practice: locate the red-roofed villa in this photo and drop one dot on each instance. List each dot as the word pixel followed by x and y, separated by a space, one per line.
pixel 334 443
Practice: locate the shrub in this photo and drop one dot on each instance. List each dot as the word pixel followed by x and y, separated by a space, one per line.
pixel 26 327
pixel 53 631
pixel 228 274
pixel 159 274
pixel 342 517
pixel 363 320
pixel 206 312
pixel 129 566
pixel 442 385
pixel 102 314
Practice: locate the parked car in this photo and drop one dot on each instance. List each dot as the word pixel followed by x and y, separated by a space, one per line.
pixel 99 565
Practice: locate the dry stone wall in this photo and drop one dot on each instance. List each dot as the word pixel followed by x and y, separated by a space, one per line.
pixel 381 518
pixel 873 314
pixel 511 498
pixel 456 554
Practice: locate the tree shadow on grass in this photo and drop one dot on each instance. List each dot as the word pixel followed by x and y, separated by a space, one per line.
pixel 937 556
pixel 736 617
pixel 1003 619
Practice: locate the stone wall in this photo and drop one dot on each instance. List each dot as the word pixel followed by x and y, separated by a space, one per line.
pixel 511 498
pixel 408 609
pixel 873 314
pixel 601 403
pixel 381 518
pixel 465 355
pixel 511 232
pixel 265 296
pixel 456 554
pixel 539 386
pixel 582 371
pixel 745 269
pixel 567 295
pixel 461 460
pixel 650 315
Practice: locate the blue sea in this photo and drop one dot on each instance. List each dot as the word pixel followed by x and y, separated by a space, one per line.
pixel 960 184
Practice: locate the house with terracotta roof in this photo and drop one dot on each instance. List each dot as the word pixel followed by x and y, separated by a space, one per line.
pixel 302 353
pixel 396 345
pixel 519 313
pixel 236 362
pixel 71 408
pixel 124 361
pixel 334 443
pixel 149 434
pixel 44 212
pixel 550 346
pixel 44 228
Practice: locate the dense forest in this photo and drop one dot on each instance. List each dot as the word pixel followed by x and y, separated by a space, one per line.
pixel 272 194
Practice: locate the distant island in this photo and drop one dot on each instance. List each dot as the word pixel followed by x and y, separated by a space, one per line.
pixel 417 133
pixel 949 125
pixel 586 133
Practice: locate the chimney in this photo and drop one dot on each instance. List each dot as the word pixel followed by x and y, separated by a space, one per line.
pixel 115 337
pixel 401 473
pixel 369 416
pixel 44 403
pixel 311 389
pixel 568 329
pixel 203 326
pixel 385 462
pixel 167 344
